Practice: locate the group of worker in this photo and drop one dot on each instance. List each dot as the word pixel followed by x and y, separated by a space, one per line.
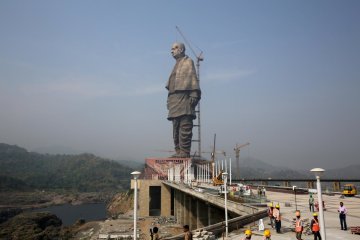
pixel 275 221
pixel 248 234
pixel 275 216
pixel 314 226
pixel 261 191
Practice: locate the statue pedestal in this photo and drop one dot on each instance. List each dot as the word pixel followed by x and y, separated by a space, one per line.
pixel 160 168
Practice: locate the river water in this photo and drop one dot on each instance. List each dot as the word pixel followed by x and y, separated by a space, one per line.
pixel 69 214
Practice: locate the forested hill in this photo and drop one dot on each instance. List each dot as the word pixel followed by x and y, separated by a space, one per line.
pixel 23 170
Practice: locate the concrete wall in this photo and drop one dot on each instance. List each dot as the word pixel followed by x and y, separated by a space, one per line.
pixel 196 213
pixel 193 208
pixel 143 197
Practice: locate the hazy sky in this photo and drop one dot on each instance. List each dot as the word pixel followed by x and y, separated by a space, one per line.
pixel 90 75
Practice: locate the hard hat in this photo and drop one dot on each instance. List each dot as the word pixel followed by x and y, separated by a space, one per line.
pixel 297 213
pixel 270 205
pixel 248 232
pixel 315 214
pixel 277 206
pixel 267 233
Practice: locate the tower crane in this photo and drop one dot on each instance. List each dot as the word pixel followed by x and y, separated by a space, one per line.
pixel 237 155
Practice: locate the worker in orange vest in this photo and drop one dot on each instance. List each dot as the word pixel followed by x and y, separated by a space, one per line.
pixel 270 214
pixel 315 227
pixel 299 225
pixel 277 217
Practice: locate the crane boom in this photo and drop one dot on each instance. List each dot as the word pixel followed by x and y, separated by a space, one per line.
pixel 198 57
pixel 237 148
pixel 237 155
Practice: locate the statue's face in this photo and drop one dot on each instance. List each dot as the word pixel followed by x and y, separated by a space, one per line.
pixel 177 50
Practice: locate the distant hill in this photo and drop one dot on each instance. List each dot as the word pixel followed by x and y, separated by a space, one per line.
pixel 349 172
pixel 56 149
pixel 255 168
pixel 132 164
pixel 59 149
pixel 21 170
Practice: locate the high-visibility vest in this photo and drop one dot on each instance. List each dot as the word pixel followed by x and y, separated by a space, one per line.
pixel 315 226
pixel 298 227
pixel 276 214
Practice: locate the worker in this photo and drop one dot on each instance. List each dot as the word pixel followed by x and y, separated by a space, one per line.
pixel 299 225
pixel 267 234
pixel 155 235
pixel 315 227
pixel 311 203
pixel 342 215
pixel 187 235
pixel 248 234
pixel 277 218
pixel 270 214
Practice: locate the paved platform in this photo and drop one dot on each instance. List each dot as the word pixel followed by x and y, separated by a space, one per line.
pixel 332 222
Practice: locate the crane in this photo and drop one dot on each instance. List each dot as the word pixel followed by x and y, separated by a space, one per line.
pixel 213 152
pixel 237 155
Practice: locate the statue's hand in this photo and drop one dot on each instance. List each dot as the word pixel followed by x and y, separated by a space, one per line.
pixel 193 101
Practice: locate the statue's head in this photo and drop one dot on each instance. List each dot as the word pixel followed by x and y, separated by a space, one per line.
pixel 178 50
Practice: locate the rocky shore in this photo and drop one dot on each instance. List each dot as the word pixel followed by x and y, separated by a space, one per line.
pixel 17 223
pixel 41 199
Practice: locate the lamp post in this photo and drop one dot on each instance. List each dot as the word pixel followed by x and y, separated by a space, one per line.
pixel 294 189
pixel 135 175
pixel 318 172
pixel 225 196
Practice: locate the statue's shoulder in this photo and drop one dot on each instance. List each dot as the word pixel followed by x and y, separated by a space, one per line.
pixel 187 61
pixel 187 58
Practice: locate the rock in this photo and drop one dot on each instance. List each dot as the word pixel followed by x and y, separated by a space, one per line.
pixel 121 203
pixel 9 213
pixel 80 222
pixel 32 225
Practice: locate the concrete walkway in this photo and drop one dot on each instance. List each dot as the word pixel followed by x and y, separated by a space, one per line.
pixel 332 222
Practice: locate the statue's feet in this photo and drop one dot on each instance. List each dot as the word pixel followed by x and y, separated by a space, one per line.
pixel 176 155
pixel 180 155
pixel 183 155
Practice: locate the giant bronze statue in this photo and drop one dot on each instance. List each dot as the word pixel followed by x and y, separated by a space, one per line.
pixel 184 94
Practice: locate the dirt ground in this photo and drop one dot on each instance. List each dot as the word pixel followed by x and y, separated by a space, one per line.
pixel 165 230
pixel 91 230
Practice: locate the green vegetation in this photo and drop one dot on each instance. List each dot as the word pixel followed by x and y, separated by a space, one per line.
pixel 23 170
